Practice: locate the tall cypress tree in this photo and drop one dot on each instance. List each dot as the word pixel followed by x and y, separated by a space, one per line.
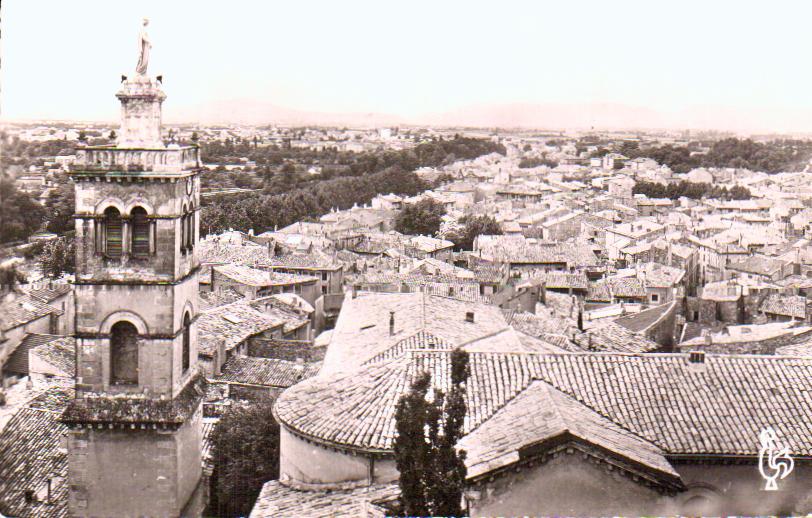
pixel 432 471
pixel 411 448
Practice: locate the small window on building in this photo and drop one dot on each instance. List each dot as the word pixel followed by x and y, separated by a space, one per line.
pixel 324 276
pixel 112 232
pixel 183 234
pixel 124 354
pixel 187 338
pixel 190 230
pixel 655 297
pixel 140 232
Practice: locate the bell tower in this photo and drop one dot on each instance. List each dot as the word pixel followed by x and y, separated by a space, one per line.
pixel 134 447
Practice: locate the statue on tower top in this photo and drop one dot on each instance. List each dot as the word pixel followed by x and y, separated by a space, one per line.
pixel 143 50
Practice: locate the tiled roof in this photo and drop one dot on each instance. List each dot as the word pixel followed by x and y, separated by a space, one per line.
pixel 613 337
pixel 362 329
pixel 420 341
pixel 657 275
pixel 562 280
pixel 266 371
pixel 50 293
pixel 599 292
pixel 540 323
pixel 212 299
pixel 276 307
pixel 276 500
pixel 314 260
pixel 254 277
pixel 30 456
pixel 626 287
pixel 757 264
pixel 787 305
pixel 18 361
pixel 61 353
pixel 23 310
pixel 523 422
pixel 571 254
pixel 213 251
pixel 231 325
pixel 428 244
pixel 717 407
pixel 801 349
pixel 637 322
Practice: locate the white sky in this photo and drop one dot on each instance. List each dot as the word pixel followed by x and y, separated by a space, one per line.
pixel 62 59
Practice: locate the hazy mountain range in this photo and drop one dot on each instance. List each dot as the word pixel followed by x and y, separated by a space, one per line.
pixel 516 115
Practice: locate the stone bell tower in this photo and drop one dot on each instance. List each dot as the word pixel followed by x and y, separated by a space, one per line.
pixel 134 447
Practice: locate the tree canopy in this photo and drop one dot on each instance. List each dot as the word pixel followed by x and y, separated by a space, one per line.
pixel 20 215
pixel 245 453
pixel 58 257
pixel 473 226
pixel 432 471
pixel 423 218
pixel 693 190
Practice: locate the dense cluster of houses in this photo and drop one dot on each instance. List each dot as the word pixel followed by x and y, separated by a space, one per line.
pixel 626 351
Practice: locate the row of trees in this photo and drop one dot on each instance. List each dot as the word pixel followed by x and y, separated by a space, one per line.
pixel 529 162
pixel 693 190
pixel 279 169
pixel 263 212
pixel 289 197
pixel 770 157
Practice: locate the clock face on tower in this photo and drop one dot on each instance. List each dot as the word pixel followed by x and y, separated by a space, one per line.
pixel 189 185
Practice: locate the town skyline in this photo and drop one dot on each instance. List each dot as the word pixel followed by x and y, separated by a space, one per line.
pixel 616 66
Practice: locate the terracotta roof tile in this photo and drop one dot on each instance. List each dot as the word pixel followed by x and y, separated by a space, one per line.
pixel 266 371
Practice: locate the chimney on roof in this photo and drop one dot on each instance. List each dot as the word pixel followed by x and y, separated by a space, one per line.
pixel 696 357
pixel 469 317
pixel 707 336
pixel 391 323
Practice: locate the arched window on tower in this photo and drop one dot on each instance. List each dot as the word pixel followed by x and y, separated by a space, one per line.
pixel 112 232
pixel 123 354
pixel 140 232
pixel 190 229
pixel 187 342
pixel 183 228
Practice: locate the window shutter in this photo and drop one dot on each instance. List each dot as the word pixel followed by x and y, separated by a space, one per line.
pixel 113 224
pixel 140 232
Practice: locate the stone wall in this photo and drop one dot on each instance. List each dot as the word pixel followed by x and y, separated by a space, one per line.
pixel 146 472
pixel 291 350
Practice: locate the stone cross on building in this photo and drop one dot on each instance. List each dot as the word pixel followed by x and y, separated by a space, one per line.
pixel 134 447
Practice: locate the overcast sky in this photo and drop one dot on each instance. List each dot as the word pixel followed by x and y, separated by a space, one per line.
pixel 63 59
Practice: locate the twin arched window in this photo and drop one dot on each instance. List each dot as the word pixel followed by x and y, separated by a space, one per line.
pixel 123 354
pixel 112 233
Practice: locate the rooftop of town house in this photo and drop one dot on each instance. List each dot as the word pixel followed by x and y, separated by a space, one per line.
pixel 232 324
pixel 266 372
pixel 724 396
pixel 362 330
pixel 794 306
pixel 261 278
